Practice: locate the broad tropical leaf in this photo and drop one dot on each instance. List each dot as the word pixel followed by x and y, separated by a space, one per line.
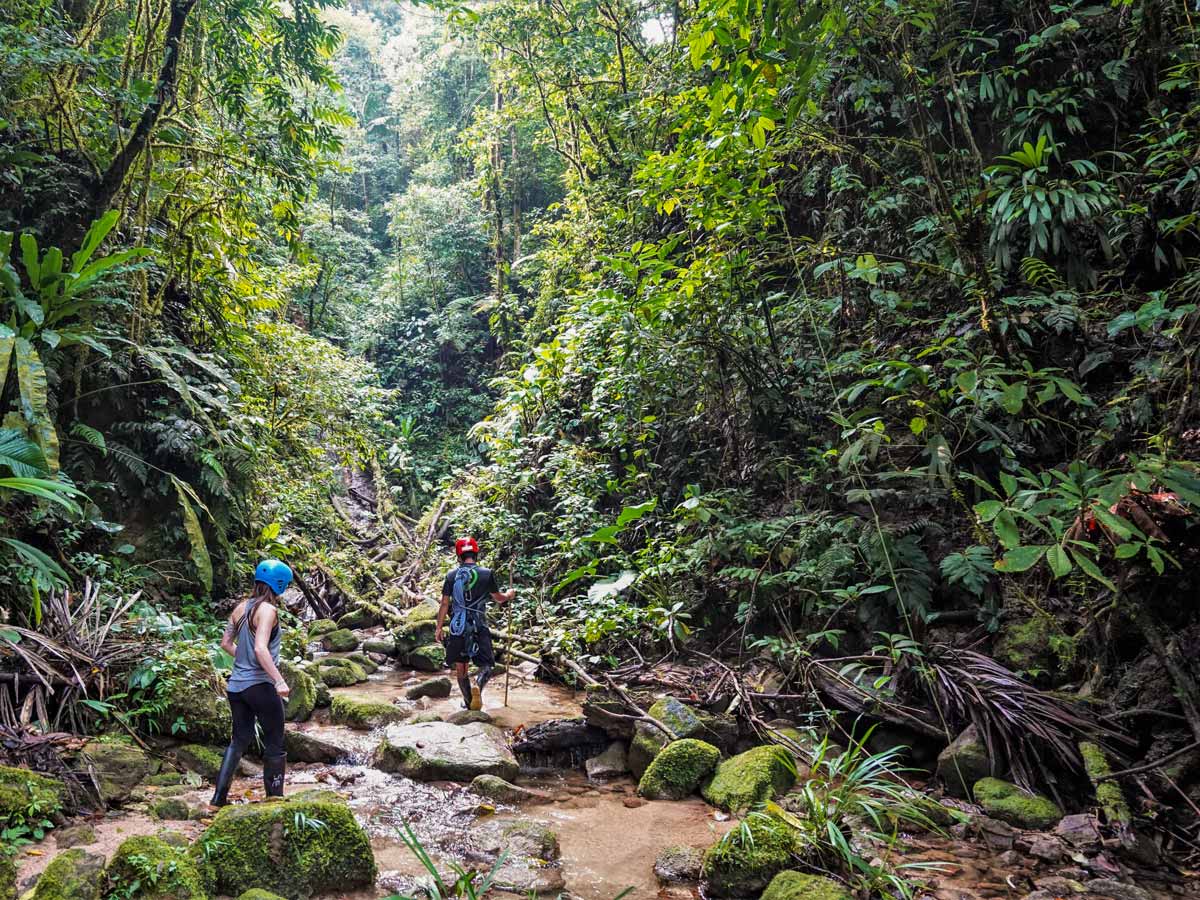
pixel 195 534
pixel 34 400
pixel 23 457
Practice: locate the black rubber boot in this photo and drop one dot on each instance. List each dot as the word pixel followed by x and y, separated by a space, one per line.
pixel 229 766
pixel 464 685
pixel 484 676
pixel 273 772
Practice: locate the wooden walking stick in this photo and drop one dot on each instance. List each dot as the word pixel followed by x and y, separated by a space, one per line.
pixel 508 628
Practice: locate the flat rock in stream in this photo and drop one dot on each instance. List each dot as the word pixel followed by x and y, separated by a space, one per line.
pixel 531 853
pixel 301 746
pixel 442 751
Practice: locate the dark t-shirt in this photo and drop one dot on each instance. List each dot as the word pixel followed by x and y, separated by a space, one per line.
pixel 478 594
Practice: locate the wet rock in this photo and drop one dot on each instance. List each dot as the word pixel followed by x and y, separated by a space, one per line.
pixel 1007 802
pixel 1116 890
pixel 302 746
pixel 426 716
pixel 501 791
pixel 1079 830
pixel 176 875
pixel 341 673
pixel 367 664
pixel 742 867
pixel 323 696
pixel 1059 886
pixel 20 788
pixel 429 658
pixel 173 838
pixel 678 770
pixel 73 875
pixel 303 697
pixel 366 714
pixel 557 735
pixel 340 640
pixel 612 763
pixel 119 768
pixel 258 845
pixel 358 618
pixel 170 809
pixel 385 646
pixel 686 722
pixel 468 716
pixel 529 879
pixel 431 687
pixel 530 849
pixel 964 762
pixel 1142 850
pixel 532 839
pixel 204 761
pixel 442 751
pixel 416 630
pixel 1046 848
pixel 752 777
pixel 679 865
pixel 320 628
pixel 604 709
pixel 791 885
pixel 75 836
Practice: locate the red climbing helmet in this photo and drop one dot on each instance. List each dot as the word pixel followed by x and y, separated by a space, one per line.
pixel 466 545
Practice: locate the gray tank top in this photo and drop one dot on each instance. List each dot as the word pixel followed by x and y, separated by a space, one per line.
pixel 246 669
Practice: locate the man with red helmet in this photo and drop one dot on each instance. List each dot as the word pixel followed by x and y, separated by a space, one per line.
pixel 465 594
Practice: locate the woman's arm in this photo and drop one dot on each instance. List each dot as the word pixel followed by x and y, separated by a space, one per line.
pixel 265 619
pixel 229 638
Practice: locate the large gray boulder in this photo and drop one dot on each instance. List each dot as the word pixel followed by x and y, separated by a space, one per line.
pixel 963 763
pixel 442 751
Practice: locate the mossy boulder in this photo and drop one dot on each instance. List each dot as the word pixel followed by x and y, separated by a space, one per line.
pixel 1024 646
pixel 258 894
pixel 21 789
pixel 437 687
pixel 430 658
pixel 357 618
pixel 340 640
pixel 741 866
pixel 341 673
pixel 679 864
pixel 1109 796
pixel 74 836
pixel 160 871
pixel 1005 801
pixel 365 714
pixel 8 877
pixel 119 768
pixel 71 875
pixel 964 762
pixel 322 696
pixel 303 698
pixel 204 761
pixel 441 751
pixel 792 885
pixel 759 774
pixel 195 695
pixel 368 665
pixel 307 844
pixel 170 809
pixel 416 630
pixel 385 646
pixel 678 770
pixel 320 628
pixel 686 722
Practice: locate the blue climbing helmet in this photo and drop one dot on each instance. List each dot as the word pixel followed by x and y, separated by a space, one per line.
pixel 274 574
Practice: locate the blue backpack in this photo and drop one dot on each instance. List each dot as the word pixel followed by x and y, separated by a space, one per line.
pixel 463 616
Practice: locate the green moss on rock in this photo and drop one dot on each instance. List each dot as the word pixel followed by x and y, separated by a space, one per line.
pixel 303 698
pixel 119 768
pixel 258 894
pixel 963 763
pixel 159 871
pixel 195 695
pixel 171 809
pixel 320 628
pixel 357 618
pixel 741 866
pixel 364 714
pixel 204 761
pixel 1024 646
pixel 1008 803
pixel 758 774
pixel 678 770
pixel 341 673
pixel 686 722
pixel 368 665
pixel 430 658
pixel 307 844
pixel 792 885
pixel 341 640
pixel 8 877
pixel 20 789
pixel 73 875
pixel 1109 796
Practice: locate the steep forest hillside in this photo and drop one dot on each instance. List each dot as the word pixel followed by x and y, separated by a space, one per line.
pixel 823 375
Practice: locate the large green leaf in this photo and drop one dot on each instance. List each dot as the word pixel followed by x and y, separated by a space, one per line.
pixel 54 491
pixel 31 375
pixel 95 235
pixel 21 455
pixel 195 534
pixel 36 559
pixel 8 341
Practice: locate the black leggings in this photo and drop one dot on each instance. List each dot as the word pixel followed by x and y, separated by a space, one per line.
pixel 259 702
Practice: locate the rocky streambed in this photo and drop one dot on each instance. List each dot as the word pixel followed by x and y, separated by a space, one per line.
pixel 547 784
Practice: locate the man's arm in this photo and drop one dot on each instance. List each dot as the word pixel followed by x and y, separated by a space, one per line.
pixel 441 617
pixel 504 596
pixel 265 618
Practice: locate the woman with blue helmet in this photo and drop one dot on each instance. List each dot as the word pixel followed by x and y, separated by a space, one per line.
pixel 256 690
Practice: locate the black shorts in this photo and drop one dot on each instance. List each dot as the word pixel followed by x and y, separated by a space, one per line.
pixel 457 650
